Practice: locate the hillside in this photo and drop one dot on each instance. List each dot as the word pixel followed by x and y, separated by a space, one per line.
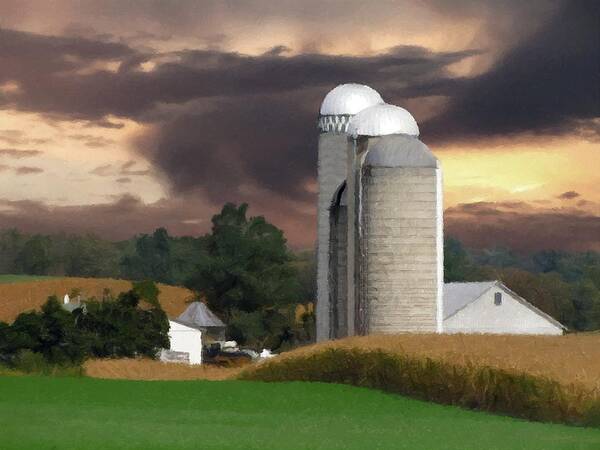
pixel 19 295
pixel 567 359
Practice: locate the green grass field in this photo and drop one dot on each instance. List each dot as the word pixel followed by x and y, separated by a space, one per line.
pixel 22 278
pixel 84 413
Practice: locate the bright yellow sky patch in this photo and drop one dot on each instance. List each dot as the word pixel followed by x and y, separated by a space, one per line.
pixel 521 172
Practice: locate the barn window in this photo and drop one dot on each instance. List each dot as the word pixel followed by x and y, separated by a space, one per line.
pixel 498 298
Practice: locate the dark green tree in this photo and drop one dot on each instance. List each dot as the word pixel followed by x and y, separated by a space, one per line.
pixel 34 257
pixel 459 265
pixel 151 259
pixel 89 256
pixel 247 266
pixel 11 245
pixel 52 332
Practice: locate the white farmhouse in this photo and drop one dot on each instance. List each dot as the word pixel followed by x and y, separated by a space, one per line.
pixel 490 307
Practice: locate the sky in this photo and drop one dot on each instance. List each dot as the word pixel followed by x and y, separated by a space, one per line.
pixel 120 116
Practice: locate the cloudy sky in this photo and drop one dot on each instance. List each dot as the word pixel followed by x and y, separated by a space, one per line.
pixel 120 116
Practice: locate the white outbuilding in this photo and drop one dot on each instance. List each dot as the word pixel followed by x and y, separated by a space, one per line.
pixel 186 344
pixel 491 307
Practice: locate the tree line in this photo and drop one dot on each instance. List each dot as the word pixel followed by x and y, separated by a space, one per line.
pixel 244 269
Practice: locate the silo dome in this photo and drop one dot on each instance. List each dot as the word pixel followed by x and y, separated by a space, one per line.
pixel 349 99
pixel 382 120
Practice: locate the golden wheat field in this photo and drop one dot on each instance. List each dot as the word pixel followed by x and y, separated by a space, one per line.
pixel 147 369
pixel 18 297
pixel 570 359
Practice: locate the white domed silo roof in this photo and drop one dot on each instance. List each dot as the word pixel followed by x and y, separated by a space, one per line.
pixel 400 150
pixel 382 120
pixel 349 99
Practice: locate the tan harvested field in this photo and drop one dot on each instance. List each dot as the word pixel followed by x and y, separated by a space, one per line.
pixel 571 360
pixel 147 369
pixel 18 297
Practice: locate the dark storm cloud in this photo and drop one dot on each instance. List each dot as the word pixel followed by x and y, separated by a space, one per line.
pixel 103 170
pixel 18 153
pixel 523 229
pixel 26 170
pixel 242 128
pixel 181 215
pixel 19 137
pixel 223 120
pixel 65 75
pixel 264 140
pixel 127 214
pixel 569 195
pixel 92 141
pixel 260 127
pixel 127 168
pixel 124 171
pixel 548 83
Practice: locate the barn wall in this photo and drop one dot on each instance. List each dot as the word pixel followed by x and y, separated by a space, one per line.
pixel 186 339
pixel 331 173
pixel 401 227
pixel 511 317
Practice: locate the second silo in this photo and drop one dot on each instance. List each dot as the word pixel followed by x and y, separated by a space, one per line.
pixel 398 232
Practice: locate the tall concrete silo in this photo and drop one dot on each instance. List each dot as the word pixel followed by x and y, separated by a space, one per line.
pixel 398 232
pixel 338 106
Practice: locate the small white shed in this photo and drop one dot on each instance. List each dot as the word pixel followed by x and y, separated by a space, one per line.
pixel 490 307
pixel 185 339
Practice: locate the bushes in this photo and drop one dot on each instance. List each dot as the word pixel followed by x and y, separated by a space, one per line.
pixel 123 329
pixel 474 387
pixel 27 361
pixel 52 333
pixel 120 328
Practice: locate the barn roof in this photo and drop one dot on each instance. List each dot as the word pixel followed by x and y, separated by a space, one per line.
pixel 197 314
pixel 459 295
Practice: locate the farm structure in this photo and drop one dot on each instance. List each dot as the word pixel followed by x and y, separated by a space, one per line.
pixel 380 258
pixel 490 307
pixel 192 329
pixel 380 247
pixel 186 344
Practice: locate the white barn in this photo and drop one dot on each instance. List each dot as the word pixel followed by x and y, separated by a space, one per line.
pixel 490 307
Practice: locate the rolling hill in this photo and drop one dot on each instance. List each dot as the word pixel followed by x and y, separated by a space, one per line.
pixel 22 293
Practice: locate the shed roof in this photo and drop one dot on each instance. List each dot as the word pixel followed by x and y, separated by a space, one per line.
pixel 197 314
